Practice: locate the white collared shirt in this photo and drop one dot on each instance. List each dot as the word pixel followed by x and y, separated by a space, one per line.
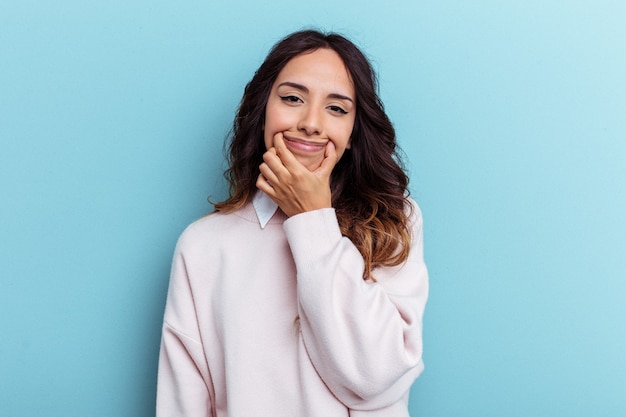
pixel 264 206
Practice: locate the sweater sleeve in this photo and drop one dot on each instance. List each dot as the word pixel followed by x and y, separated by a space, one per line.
pixel 364 338
pixel 183 387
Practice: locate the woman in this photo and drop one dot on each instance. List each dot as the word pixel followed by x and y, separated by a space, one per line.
pixel 303 294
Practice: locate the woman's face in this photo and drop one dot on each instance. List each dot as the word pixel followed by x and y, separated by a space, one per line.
pixel 311 103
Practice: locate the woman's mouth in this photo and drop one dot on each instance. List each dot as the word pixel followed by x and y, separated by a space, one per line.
pixel 296 144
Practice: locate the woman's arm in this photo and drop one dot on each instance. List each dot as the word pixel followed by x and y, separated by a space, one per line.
pixel 364 338
pixel 184 385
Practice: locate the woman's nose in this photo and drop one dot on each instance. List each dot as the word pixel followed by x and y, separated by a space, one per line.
pixel 310 122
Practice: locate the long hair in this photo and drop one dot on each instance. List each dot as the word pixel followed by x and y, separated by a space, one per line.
pixel 368 184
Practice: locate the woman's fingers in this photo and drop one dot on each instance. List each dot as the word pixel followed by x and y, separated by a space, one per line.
pixel 268 174
pixel 330 160
pixel 264 185
pixel 272 167
pixel 275 163
pixel 287 158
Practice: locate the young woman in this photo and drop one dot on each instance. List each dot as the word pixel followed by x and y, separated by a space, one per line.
pixel 303 293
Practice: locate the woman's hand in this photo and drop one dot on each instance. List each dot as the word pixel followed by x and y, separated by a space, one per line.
pixel 290 184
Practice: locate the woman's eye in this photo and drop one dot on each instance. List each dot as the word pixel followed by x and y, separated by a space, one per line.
pixel 337 109
pixel 290 99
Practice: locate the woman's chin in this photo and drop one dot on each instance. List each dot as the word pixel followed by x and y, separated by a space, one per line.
pixel 310 163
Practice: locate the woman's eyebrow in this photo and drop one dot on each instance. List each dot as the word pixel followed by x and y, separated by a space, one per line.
pixel 306 90
pixel 340 97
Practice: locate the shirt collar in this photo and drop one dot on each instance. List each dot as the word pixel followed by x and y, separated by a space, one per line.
pixel 264 206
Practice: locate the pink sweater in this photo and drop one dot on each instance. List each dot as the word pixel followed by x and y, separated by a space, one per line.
pixel 232 346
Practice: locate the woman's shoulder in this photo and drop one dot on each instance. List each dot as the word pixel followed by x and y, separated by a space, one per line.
pixel 414 212
pixel 215 225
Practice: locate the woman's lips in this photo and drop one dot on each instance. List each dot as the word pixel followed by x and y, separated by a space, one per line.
pixel 304 145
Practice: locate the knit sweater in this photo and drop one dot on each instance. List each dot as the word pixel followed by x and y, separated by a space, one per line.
pixel 278 321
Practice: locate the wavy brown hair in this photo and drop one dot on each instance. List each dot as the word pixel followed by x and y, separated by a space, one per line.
pixel 369 184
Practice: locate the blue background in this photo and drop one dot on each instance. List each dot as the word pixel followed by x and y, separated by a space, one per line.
pixel 513 118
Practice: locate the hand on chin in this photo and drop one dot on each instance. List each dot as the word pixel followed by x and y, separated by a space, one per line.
pixel 310 163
